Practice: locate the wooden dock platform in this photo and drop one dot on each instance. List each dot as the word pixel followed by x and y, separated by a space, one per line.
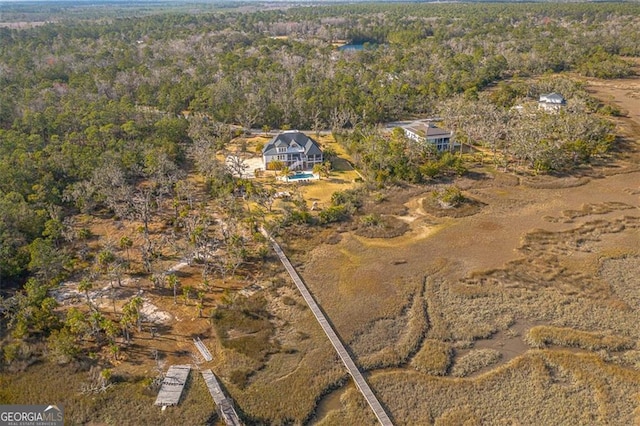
pixel 355 373
pixel 224 405
pixel 173 385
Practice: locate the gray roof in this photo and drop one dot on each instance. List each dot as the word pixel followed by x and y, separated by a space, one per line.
pixel 285 139
pixel 552 98
pixel 428 130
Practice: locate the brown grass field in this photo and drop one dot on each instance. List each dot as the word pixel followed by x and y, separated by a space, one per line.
pixel 547 262
pixel 523 310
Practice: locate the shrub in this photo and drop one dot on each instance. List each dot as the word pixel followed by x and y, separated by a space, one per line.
pixel 449 197
pixel 371 220
pixel 351 198
pixel 430 169
pixel 84 234
pixel 611 110
pixel 379 197
pixel 295 216
pixel 334 214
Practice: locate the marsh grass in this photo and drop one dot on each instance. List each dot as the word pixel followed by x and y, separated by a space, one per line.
pixel 434 357
pixel 283 386
pixel 375 226
pixel 475 360
pixel 381 322
pixel 553 182
pixel 408 342
pixel 543 336
pixel 245 327
pixel 458 416
pixel 540 387
pixel 124 403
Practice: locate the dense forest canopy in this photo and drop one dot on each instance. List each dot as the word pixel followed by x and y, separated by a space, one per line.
pixel 83 97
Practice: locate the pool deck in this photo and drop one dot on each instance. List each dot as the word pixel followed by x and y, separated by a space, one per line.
pixel 304 177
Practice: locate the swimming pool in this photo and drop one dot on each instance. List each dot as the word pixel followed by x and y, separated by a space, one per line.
pixel 301 176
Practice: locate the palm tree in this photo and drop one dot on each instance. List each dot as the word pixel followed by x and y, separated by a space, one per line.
pixel 286 171
pixel 275 165
pixel 85 286
pixel 318 169
pixel 131 315
pixel 136 304
pixel 125 244
pixel 172 280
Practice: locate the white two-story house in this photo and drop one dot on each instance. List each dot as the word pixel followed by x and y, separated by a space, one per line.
pixel 294 149
pixel 424 132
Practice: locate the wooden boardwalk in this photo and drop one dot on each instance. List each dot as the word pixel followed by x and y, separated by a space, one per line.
pixel 173 385
pixel 204 351
pixel 355 373
pixel 224 405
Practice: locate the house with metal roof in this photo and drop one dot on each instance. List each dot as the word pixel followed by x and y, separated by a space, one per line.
pixel 551 101
pixel 426 132
pixel 294 149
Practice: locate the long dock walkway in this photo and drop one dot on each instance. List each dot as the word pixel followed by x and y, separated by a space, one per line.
pixel 355 373
pixel 224 404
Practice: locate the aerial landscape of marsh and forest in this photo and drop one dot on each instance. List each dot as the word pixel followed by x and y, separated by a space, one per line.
pixel 456 184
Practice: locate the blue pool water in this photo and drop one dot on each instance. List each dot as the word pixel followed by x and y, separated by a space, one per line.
pixel 298 176
pixel 351 47
pixel 357 47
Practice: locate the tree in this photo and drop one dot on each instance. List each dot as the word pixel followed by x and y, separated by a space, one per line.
pixel 131 315
pixel 318 169
pixel 46 261
pixel 106 263
pixel 31 311
pixel 173 282
pixel 76 322
pixel 143 205
pixel 85 285
pixel 264 197
pixel 125 244
pixel 62 346
pixel 186 293
pixel 323 169
pixel 237 166
pixel 275 165
pixel 115 350
pixel 200 303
